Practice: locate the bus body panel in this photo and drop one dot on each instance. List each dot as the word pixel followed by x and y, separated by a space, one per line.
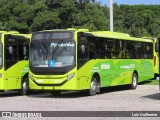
pixel 13 75
pixel 112 72
pixel 2 82
pixel 116 72
pixel 45 82
pixel 156 59
pixel 13 71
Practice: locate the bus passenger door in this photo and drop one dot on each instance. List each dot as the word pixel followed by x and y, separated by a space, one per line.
pixel 11 58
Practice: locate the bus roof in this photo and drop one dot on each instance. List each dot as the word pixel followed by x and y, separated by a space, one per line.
pixel 9 32
pixel 16 33
pixel 68 29
pixel 116 35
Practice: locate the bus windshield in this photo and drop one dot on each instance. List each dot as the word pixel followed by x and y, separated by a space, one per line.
pixel 0 52
pixel 0 55
pixel 52 53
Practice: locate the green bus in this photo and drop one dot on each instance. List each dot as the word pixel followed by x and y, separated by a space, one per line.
pixel 73 59
pixel 156 61
pixel 156 55
pixel 156 58
pixel 14 63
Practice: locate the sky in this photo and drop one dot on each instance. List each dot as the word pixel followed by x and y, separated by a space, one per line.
pixel 130 2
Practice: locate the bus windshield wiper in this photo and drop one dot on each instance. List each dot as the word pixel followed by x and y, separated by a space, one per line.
pixel 41 45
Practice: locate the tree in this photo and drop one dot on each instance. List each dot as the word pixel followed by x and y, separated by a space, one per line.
pixel 45 20
pixel 91 16
pixel 27 16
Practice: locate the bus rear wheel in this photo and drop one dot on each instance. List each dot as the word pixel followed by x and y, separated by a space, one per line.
pixel 25 87
pixel 93 87
pixel 134 81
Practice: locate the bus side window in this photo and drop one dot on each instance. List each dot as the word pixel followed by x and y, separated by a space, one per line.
pixel 92 50
pixel 26 52
pixel 139 50
pixel 121 51
pixel 110 48
pixel 148 51
pixel 83 51
pixel 11 56
pixel 23 52
pixel 20 51
pixel 130 49
pixel 82 47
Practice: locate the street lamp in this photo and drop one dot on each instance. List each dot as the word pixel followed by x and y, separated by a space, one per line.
pixel 111 15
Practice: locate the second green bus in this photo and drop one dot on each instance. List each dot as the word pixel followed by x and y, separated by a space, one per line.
pixel 72 59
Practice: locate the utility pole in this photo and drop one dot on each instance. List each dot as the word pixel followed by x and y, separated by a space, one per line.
pixel 111 15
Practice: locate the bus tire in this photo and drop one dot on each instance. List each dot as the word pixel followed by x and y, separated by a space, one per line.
pixel 93 87
pixel 55 93
pixel 134 81
pixel 25 87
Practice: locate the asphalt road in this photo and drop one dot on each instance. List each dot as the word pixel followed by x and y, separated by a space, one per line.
pixel 144 98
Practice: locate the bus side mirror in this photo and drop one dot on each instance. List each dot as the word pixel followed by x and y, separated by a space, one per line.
pixel 10 49
pixel 83 49
pixel 25 58
pixel 157 47
pixel 106 47
pixel 24 50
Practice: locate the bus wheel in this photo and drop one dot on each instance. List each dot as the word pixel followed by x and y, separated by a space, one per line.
pixel 25 87
pixel 134 81
pixel 93 87
pixel 56 93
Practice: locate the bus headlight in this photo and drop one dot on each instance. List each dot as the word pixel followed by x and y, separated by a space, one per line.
pixel 70 76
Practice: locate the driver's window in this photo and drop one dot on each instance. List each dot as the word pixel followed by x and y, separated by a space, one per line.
pixel 83 51
pixel 11 56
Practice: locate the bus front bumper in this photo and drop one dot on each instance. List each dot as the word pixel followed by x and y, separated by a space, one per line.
pixel 63 84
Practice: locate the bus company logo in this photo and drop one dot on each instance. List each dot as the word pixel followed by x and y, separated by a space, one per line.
pixel 6 114
pixel 132 66
pixel 128 66
pixel 96 69
pixel 105 66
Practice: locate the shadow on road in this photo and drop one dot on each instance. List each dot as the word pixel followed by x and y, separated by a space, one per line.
pixel 114 89
pixel 144 82
pixel 155 96
pixel 67 94
pixel 76 94
pixel 9 94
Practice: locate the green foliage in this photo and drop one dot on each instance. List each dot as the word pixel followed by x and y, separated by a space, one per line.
pixel 138 20
pixel 45 20
pixel 34 15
